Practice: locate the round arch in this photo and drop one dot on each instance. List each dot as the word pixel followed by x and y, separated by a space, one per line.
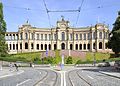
pixel 63 46
pixel 100 45
pixel 71 47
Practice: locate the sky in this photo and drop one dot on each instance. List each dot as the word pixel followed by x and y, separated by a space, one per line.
pixel 17 12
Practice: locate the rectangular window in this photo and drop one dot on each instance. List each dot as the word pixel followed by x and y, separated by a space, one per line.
pixel 32 36
pixel 71 36
pixel 20 36
pixel 16 37
pixel 80 36
pixel 55 37
pixel 6 37
pixel 89 37
pixel 42 37
pixel 49 37
pixel 76 36
pixel 45 37
pixel 37 36
pixel 84 36
pixel 94 35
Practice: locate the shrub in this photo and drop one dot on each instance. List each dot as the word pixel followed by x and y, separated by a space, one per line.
pixel 78 62
pixel 69 60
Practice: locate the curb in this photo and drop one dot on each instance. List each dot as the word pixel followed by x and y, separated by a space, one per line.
pixel 110 75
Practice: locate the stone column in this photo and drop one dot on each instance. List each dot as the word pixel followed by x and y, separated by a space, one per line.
pixel 103 39
pixel 91 41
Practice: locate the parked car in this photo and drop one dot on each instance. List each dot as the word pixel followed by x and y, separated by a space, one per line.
pixel 117 64
pixel 104 64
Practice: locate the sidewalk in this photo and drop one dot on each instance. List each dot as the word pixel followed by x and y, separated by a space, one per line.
pixel 113 74
pixel 5 72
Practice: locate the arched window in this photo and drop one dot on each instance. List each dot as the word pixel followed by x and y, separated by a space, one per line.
pixel 45 46
pixel 80 46
pixel 41 46
pixel 55 46
pixel 62 46
pixel 37 46
pixel 10 46
pixel 16 46
pixel 100 35
pixel 106 45
pixel 88 46
pixel 20 45
pixel 13 46
pixel 26 45
pixel 76 46
pixel 94 46
pixel 71 47
pixel 100 45
pixel 32 46
pixel 49 47
pixel 26 36
pixel 63 36
pixel 84 46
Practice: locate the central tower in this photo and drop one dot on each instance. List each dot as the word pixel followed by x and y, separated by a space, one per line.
pixel 62 33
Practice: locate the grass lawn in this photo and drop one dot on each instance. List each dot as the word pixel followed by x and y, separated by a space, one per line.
pixel 25 57
pixel 98 56
pixel 29 57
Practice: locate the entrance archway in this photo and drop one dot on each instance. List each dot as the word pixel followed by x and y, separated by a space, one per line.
pixel 62 46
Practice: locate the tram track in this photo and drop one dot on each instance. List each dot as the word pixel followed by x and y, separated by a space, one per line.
pixel 47 76
pixel 80 78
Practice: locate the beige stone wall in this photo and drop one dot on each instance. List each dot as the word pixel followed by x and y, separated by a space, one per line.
pixel 45 38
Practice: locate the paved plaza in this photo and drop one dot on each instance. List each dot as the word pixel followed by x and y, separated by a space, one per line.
pixel 54 76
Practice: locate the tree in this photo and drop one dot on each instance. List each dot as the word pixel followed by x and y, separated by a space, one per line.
pixel 114 42
pixel 3 46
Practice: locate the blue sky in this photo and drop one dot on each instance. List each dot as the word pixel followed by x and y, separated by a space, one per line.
pixel 16 13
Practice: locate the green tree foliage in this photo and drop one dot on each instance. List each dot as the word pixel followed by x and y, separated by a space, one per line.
pixel 69 60
pixel 57 59
pixel 3 46
pixel 78 62
pixel 114 42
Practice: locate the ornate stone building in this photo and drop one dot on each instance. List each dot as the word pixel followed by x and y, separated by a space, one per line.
pixel 32 39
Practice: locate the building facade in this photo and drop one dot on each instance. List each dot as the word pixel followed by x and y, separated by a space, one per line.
pixel 62 37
